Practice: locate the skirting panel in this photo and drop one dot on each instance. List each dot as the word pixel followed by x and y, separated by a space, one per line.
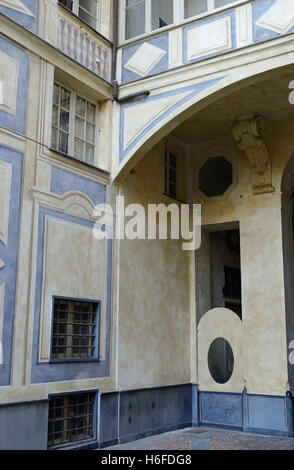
pixel 131 415
pixel 24 426
pixel 221 409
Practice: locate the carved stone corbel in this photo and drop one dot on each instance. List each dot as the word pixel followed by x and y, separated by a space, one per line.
pixel 247 132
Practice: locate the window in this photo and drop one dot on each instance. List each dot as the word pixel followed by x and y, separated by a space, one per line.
pixel 145 16
pixel 138 19
pixel 73 124
pixel 75 330
pixel 87 10
pixel 71 418
pixel 171 174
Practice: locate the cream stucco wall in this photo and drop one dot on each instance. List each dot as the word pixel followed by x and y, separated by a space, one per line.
pixel 154 317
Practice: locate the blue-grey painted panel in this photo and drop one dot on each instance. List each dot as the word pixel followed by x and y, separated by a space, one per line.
pixel 109 406
pixel 160 42
pixel 17 122
pixel 192 91
pixel 8 253
pixel 63 181
pixel 55 372
pixel 223 409
pixel 195 408
pixel 267 413
pixel 262 34
pixel 144 412
pixel 231 15
pixel 24 426
pixel 28 19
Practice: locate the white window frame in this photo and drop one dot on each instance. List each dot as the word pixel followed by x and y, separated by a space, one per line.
pixel 179 17
pixel 75 10
pixel 72 116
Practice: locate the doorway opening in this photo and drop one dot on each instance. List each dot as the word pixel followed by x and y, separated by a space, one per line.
pixel 218 270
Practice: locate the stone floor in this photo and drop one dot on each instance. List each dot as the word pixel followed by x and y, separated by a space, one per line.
pixel 208 439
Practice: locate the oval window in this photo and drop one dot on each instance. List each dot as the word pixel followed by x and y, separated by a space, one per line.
pixel 220 360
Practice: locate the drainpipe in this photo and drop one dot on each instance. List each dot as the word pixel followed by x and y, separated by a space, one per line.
pixel 114 43
pixel 114 62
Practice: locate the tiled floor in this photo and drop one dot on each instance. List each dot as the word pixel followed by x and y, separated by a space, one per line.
pixel 208 439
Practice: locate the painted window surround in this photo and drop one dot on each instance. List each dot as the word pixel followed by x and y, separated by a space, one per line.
pixel 178 7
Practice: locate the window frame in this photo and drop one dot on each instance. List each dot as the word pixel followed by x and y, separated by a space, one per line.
pixel 72 116
pixel 94 418
pixel 64 360
pixel 178 15
pixel 75 11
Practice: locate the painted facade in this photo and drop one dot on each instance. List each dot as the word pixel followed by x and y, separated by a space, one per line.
pixel 215 85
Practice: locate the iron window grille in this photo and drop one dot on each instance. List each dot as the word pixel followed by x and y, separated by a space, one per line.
pixel 71 418
pixel 75 330
pixel 73 130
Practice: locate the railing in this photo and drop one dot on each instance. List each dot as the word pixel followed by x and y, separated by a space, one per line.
pixel 75 39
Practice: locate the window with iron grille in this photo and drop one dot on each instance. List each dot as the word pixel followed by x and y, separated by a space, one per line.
pixel 171 174
pixel 73 124
pixel 71 418
pixel 75 330
pixel 87 10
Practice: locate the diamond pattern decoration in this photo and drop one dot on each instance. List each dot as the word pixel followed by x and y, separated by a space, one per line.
pixel 16 5
pixel 145 59
pixel 279 18
pixel 2 264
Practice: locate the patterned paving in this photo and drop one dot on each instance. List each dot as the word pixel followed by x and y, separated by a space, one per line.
pixel 208 439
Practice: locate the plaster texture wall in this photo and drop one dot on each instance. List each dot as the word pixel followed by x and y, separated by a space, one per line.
pixel 154 318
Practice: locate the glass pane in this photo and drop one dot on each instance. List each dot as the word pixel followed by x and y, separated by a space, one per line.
pixel 63 142
pixel 64 120
pixel 221 3
pixel 195 7
pixel 173 160
pixel 90 6
pixel 55 114
pixel 80 106
pixel 80 128
pixel 172 176
pixel 91 108
pixel 135 20
pixel 79 149
pixel 87 18
pixel 220 360
pixel 162 13
pixel 56 94
pixel 90 137
pixel 54 138
pixel 90 153
pixel 65 98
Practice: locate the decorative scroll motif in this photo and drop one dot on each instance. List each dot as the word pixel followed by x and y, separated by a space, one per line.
pixel 247 132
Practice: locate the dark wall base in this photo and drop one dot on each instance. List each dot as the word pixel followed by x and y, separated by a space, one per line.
pixel 132 415
pixel 24 426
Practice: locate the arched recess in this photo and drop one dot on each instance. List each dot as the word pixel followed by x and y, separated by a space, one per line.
pixel 213 88
pixel 287 189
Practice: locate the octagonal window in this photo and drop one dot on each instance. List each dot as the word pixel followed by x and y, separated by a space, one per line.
pixel 215 176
